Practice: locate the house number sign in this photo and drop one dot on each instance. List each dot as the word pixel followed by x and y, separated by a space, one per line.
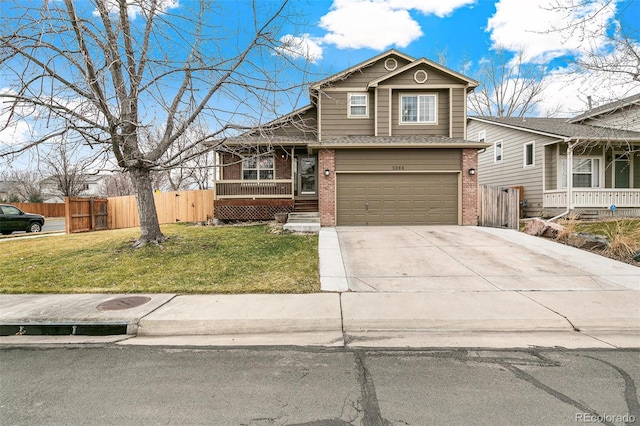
pixel 397 167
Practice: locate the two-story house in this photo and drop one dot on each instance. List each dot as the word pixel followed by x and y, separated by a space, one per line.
pixel 381 143
pixel 588 163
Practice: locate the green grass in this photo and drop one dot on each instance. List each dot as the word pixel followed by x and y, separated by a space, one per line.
pixel 196 259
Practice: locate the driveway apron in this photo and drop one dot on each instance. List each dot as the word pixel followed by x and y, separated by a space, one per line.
pixel 472 259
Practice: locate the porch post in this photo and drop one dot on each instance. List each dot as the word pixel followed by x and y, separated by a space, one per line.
pixel 570 205
pixel 293 165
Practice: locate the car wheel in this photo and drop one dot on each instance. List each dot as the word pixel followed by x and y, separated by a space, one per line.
pixel 34 227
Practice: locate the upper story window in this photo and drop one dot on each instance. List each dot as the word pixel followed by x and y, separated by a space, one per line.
pixel 482 136
pixel 358 105
pixel 529 158
pixel 418 109
pixel 258 168
pixel 497 152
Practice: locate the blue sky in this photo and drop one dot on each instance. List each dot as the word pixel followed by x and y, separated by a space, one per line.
pixel 337 34
pixel 342 33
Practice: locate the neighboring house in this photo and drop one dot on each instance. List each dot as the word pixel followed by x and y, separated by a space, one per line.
pixel 587 163
pixel 382 143
pixel 89 186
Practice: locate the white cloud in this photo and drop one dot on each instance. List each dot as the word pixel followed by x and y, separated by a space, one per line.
pixel 305 47
pixel 540 31
pixel 440 8
pixel 379 24
pixel 17 132
pixel 567 91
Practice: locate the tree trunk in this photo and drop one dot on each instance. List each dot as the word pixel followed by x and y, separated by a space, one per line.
pixel 149 225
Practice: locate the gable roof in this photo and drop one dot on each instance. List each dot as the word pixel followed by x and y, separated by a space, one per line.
pixel 347 72
pixel 607 108
pixel 424 61
pixel 561 128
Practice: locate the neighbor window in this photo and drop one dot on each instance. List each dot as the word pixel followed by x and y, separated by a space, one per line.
pixel 586 172
pixel 529 150
pixel 497 152
pixel 482 136
pixel 258 168
pixel 418 109
pixel 358 105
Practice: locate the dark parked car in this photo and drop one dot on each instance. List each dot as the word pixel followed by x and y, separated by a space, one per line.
pixel 13 219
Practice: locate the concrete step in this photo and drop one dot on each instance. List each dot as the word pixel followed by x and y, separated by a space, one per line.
pixel 308 217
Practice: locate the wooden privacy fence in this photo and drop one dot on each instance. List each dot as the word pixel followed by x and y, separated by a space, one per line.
pixel 499 207
pixel 172 207
pixel 85 214
pixel 45 209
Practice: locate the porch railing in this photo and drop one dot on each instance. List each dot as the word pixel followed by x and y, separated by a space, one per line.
pixel 279 188
pixel 593 198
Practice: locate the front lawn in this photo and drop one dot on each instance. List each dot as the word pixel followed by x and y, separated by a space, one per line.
pixel 196 259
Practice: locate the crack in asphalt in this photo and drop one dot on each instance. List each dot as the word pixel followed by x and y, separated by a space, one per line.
pixel 370 406
pixel 630 390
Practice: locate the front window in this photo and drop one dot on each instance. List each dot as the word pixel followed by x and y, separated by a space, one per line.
pixel 586 172
pixel 358 105
pixel 529 159
pixel 497 152
pixel 258 168
pixel 418 109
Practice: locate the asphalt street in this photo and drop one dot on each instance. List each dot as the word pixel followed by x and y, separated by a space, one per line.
pixel 316 386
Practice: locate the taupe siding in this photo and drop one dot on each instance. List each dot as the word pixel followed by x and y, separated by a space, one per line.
pixel 383 111
pixel 551 171
pixel 511 171
pixel 362 77
pixel 335 122
pixel 440 128
pixel 302 125
pixel 389 160
pixel 434 77
pixel 458 117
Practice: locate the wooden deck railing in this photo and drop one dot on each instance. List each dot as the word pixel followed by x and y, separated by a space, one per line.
pixel 279 188
pixel 593 198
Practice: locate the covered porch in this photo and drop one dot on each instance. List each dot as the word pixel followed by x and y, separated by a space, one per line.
pixel 257 185
pixel 602 176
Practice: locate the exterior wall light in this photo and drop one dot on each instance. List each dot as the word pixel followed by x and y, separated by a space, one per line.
pixel 327 172
pixel 472 172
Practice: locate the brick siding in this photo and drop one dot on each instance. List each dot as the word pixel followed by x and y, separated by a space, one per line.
pixel 327 187
pixel 469 187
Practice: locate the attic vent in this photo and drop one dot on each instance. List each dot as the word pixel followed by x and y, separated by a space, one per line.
pixel 391 64
pixel 420 76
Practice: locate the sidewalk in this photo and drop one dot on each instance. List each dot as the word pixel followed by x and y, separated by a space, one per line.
pixel 591 319
pixel 549 295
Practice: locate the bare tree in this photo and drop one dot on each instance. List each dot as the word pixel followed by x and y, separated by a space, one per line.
pixel 65 174
pixel 116 184
pixel 24 186
pixel 509 86
pixel 608 49
pixel 102 71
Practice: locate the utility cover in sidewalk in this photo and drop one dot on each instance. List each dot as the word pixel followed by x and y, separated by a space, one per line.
pixel 123 303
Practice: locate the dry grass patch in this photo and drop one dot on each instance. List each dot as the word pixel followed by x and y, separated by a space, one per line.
pixel 196 259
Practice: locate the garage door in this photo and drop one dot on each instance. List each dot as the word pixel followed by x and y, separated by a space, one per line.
pixel 397 199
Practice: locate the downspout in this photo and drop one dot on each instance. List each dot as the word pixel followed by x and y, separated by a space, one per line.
pixel 570 147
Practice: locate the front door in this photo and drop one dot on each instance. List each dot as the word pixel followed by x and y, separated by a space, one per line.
pixel 307 176
pixel 622 171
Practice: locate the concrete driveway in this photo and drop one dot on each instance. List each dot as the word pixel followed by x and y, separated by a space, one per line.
pixel 470 259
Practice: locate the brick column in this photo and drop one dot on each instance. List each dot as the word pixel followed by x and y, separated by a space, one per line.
pixel 327 187
pixel 469 187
